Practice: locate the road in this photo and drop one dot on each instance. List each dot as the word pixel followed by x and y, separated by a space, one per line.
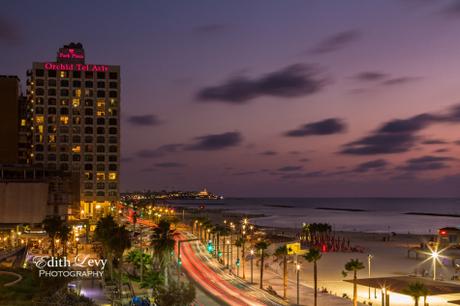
pixel 210 276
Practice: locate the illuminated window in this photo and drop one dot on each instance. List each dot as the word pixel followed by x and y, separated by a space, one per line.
pixel 76 149
pixel 112 176
pixel 40 129
pixel 101 113
pixel 100 176
pixel 75 102
pixel 38 120
pixel 51 138
pixel 77 92
pixel 88 175
pixel 64 120
pixel 63 74
pixel 23 122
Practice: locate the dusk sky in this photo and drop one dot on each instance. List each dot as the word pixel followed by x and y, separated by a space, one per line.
pixel 268 98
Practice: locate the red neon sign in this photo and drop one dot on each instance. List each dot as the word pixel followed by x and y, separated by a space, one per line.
pixel 76 67
pixel 71 54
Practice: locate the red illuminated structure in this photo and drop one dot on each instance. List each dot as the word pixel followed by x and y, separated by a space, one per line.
pixel 449 236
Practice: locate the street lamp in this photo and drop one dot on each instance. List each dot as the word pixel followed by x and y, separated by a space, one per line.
pixel 435 256
pixel 252 266
pixel 369 259
pixel 228 254
pixel 297 268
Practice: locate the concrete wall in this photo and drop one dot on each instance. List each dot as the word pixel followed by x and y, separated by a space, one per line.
pixel 23 202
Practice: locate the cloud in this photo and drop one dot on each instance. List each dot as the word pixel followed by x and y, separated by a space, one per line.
pixel 8 31
pixel 399 135
pixel 434 142
pixel 399 81
pixel 169 165
pixel 269 153
pixel 312 174
pixel 304 160
pixel 370 76
pixel 214 142
pixel 426 163
pixel 293 81
pixel 457 142
pixel 160 151
pixel 377 164
pixel 441 150
pixel 143 120
pixel 290 168
pixel 244 173
pixel 453 9
pixel 336 42
pixel 324 127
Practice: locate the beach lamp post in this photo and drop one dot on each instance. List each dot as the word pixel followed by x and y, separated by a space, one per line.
pixel 435 256
pixel 297 270
pixel 369 261
pixel 228 254
pixel 252 266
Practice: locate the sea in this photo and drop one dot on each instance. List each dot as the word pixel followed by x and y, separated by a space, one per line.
pixel 372 215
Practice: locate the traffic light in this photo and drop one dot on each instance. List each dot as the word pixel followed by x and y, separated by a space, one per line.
pixel 210 247
pixel 237 262
pixel 179 262
pixel 219 254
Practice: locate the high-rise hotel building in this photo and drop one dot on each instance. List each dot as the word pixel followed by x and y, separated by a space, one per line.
pixel 76 124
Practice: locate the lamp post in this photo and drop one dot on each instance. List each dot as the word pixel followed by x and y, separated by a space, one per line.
pixel 369 259
pixel 297 268
pixel 252 266
pixel 435 256
pixel 228 254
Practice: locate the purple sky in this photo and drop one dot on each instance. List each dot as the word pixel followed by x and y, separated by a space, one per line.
pixel 269 98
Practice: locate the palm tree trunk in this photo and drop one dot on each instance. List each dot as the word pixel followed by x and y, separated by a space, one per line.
pixel 217 246
pixel 284 276
pixel 424 300
pixel 262 270
pixel 52 246
pixel 243 258
pixel 416 301
pixel 355 290
pixel 166 276
pixel 315 280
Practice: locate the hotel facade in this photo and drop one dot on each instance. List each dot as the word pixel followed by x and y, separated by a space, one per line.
pixel 75 125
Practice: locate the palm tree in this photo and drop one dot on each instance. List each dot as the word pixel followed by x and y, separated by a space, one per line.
pixel 239 242
pixel 104 233
pixel 64 235
pixel 354 265
pixel 282 253
pixel 52 225
pixel 163 243
pixel 261 246
pixel 313 256
pixel 416 290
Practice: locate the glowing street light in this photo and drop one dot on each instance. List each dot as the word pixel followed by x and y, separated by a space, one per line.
pixel 252 266
pixel 297 269
pixel 434 256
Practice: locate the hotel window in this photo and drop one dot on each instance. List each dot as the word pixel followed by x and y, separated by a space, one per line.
pixel 88 148
pixel 39 157
pixel 113 85
pixel 88 74
pixel 64 74
pixel 101 94
pixel 64 157
pixel 39 120
pixel 100 158
pixel 88 194
pixel 100 186
pixel 101 75
pixel 112 121
pixel 88 120
pixel 88 185
pixel 88 102
pixel 76 157
pixel 100 130
pixel 51 166
pixel 23 122
pixel 64 83
pixel 51 138
pixel 51 119
pixel 88 130
pixel 88 175
pixel 40 129
pixel 100 149
pixel 100 193
pixel 112 193
pixel 51 101
pixel 76 83
pixel 112 176
pixel 113 94
pixel 39 148
pixel 52 157
pixel 52 147
pixel 64 120
pixel 40 91
pixel 113 103
pixel 76 74
pixel 52 129
pixel 40 101
pixel 100 139
pixel 88 167
pixel 64 111
pixel 89 158
pixel 112 130
pixel 112 112
pixel 89 84
pixel 39 72
pixel 88 111
pixel 64 92
pixel 113 158
pixel 64 102
pixel 100 84
pixel 76 139
pixel 51 83
pixel 40 82
pixel 76 129
pixel 113 139
pixel 38 138
pixel 64 138
pixel 113 75
pixel 51 73
pixel 76 111
pixel 100 176
pixel 100 121
pixel 112 167
pixel 100 167
pixel 64 129
pixel 64 167
pixel 75 102
pixel 51 92
pixel 76 120
pixel 88 92
pixel 39 110
pixel 52 110
pixel 112 185
pixel 88 139
pixel 77 92
pixel 113 149
pixel 76 149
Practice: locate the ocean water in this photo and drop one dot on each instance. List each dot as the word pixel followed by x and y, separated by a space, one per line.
pixel 377 215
